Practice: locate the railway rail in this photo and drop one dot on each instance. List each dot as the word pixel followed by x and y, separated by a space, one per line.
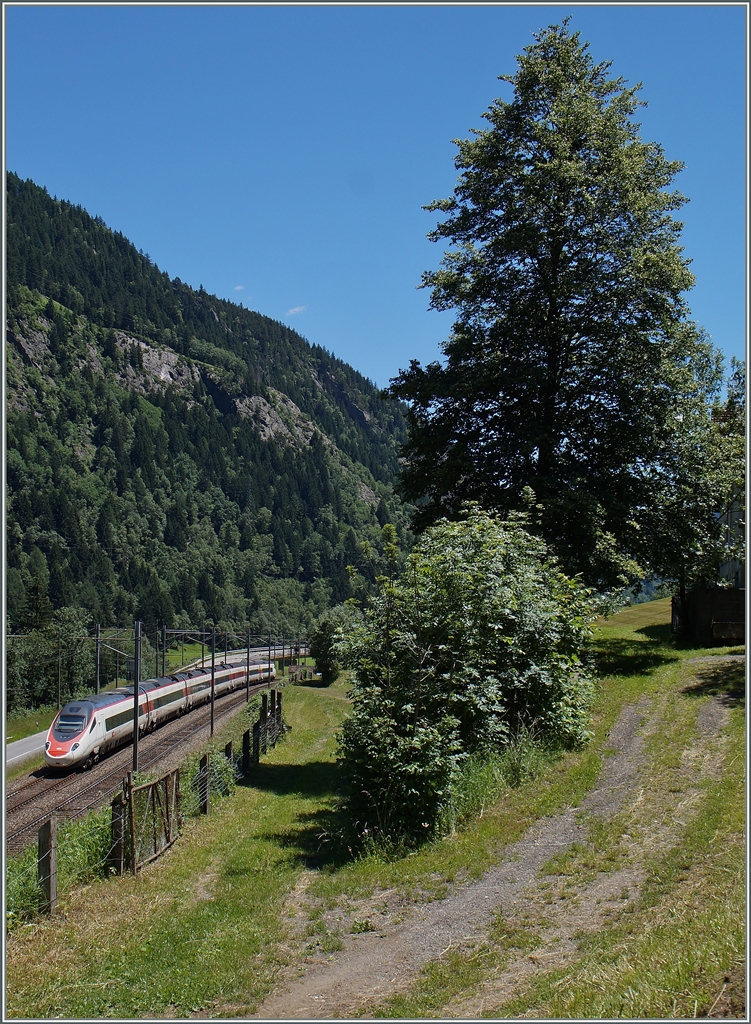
pixel 73 795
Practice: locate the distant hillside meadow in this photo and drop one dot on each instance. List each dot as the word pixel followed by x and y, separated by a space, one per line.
pixel 172 456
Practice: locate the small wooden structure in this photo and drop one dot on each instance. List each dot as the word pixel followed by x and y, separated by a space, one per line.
pixel 715 616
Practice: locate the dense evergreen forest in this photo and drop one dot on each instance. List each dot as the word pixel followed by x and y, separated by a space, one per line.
pixel 172 456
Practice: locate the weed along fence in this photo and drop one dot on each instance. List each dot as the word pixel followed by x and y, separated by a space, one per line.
pixel 146 818
pixel 143 821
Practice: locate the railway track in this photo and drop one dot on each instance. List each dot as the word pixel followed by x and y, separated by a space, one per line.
pixel 75 794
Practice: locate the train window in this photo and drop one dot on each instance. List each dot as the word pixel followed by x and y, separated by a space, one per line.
pixel 92 725
pixel 69 725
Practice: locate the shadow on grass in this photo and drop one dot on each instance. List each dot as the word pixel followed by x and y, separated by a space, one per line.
pixel 316 839
pixel 658 634
pixel 664 636
pixel 313 779
pixel 727 681
pixel 625 657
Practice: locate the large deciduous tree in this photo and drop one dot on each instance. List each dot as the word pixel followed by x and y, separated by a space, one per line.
pixel 698 491
pixel 573 356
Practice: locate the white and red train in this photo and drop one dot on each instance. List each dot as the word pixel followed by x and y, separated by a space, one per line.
pixel 86 729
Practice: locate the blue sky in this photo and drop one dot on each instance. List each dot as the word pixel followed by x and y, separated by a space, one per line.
pixel 280 155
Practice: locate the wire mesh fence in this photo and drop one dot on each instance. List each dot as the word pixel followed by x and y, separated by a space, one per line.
pixel 213 775
pixel 83 852
pixel 153 817
pixel 141 823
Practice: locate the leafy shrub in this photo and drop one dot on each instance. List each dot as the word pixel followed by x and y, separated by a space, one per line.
pixel 324 638
pixel 252 710
pixel 322 648
pixel 142 778
pixel 480 635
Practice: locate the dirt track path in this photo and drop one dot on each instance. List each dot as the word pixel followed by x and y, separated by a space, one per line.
pixel 374 965
pixel 377 964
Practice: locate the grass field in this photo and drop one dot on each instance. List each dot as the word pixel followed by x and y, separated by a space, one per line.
pixel 19 726
pixel 206 928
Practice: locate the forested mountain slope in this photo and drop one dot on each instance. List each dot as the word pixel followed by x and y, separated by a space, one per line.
pixel 172 456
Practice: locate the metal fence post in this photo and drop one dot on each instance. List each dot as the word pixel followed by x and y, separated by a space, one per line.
pixel 247 671
pixel 117 851
pixel 98 651
pixel 47 865
pixel 136 693
pixel 213 669
pixel 204 784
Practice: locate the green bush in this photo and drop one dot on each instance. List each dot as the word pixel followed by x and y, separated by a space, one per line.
pixel 252 710
pixel 322 648
pixel 480 636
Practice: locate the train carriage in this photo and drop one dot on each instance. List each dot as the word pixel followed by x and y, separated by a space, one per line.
pixel 86 729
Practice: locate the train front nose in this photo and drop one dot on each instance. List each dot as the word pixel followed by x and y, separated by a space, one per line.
pixel 60 755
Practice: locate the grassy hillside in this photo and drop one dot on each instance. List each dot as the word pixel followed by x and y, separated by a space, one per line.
pixel 263 886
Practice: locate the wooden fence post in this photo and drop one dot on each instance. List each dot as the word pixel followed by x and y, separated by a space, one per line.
pixel 228 751
pixel 47 865
pixel 264 720
pixel 279 720
pixel 256 742
pixel 272 718
pixel 246 751
pixel 177 796
pixel 204 784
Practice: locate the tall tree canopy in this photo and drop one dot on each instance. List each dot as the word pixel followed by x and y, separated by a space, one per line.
pixel 573 357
